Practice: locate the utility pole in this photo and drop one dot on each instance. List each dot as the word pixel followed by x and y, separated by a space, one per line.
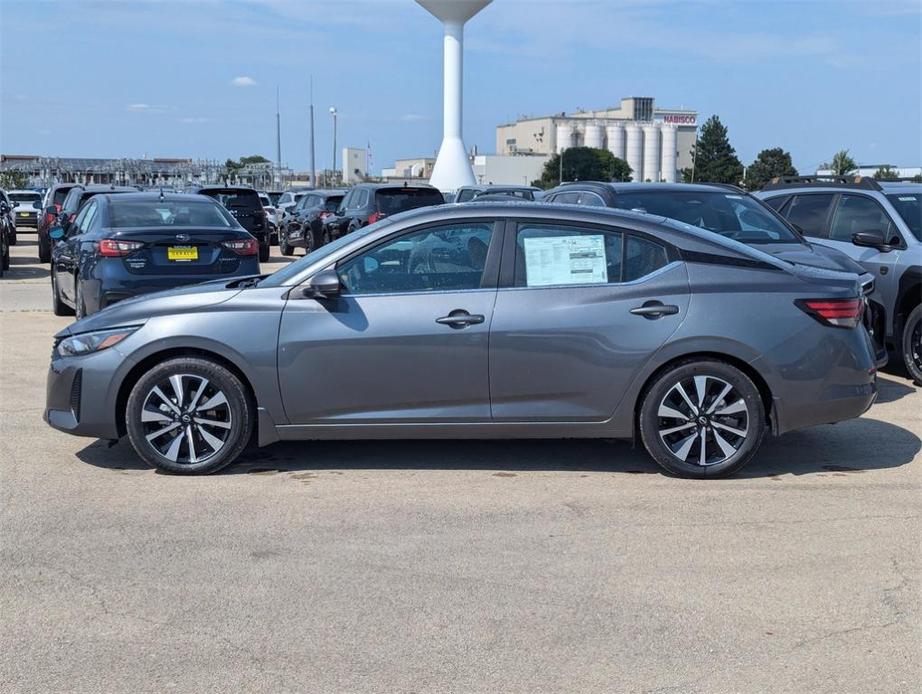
pixel 278 139
pixel 313 165
pixel 333 170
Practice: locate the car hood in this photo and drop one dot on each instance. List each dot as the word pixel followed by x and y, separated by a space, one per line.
pixel 812 255
pixel 138 310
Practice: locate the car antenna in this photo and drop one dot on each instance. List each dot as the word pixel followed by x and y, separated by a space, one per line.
pixel 161 193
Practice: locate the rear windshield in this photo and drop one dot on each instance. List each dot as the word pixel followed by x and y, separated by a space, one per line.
pixel 332 203
pixel 59 195
pixel 236 199
pixel 168 214
pixel 24 197
pixel 735 216
pixel 266 202
pixel 394 200
pixel 909 205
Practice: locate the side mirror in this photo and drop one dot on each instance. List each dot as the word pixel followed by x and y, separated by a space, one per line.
pixel 324 285
pixel 872 239
pixel 56 233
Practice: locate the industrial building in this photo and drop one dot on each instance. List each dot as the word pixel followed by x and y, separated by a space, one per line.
pixel 655 142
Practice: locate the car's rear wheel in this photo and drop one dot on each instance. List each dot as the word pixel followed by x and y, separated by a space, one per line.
pixel 702 418
pixel 284 248
pixel 57 306
pixel 189 416
pixel 912 344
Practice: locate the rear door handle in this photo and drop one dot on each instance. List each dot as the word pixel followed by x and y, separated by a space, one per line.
pixel 655 309
pixel 460 319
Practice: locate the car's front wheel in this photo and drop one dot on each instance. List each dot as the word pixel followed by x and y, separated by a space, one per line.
pixel 189 416
pixel 702 418
pixel 912 344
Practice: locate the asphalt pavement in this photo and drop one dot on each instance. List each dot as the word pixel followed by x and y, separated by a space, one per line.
pixel 397 566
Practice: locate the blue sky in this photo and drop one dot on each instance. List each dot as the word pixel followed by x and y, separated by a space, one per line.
pixel 198 78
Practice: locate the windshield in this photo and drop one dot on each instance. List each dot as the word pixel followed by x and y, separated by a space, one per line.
pixel 733 215
pixel 24 197
pixel 281 277
pixel 331 204
pixel 909 205
pixel 167 213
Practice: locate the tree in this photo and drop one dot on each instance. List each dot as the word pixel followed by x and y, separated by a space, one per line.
pixel 769 164
pixel 714 156
pixel 886 173
pixel 841 163
pixel 254 159
pixel 11 180
pixel 584 164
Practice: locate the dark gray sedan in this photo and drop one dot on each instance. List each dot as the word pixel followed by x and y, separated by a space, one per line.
pixel 480 321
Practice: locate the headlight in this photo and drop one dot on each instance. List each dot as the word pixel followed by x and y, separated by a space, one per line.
pixel 97 341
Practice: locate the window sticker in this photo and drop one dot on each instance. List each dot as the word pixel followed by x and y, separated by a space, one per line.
pixel 909 198
pixel 565 260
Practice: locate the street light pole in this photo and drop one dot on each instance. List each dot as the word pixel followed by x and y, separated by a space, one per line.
pixel 333 170
pixel 560 175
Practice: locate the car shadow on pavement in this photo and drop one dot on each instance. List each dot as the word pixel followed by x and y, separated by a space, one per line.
pixel 27 269
pixel 891 391
pixel 868 444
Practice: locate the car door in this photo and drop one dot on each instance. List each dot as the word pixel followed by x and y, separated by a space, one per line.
pixel 406 341
pixel 67 253
pixel 586 307
pixel 854 213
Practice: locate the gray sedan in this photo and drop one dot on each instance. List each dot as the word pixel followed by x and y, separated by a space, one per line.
pixel 480 321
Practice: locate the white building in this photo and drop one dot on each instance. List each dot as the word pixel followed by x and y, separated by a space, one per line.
pixel 655 142
pixel 355 162
pixel 495 168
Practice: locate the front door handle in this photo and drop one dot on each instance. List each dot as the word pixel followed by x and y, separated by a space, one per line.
pixel 655 309
pixel 460 319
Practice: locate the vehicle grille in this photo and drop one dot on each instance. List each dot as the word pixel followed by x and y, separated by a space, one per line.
pixel 76 388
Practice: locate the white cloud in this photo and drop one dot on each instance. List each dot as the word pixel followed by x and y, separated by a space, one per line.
pixel 147 108
pixel 243 81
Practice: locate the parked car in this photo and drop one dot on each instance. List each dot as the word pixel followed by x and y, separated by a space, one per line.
pixel 877 224
pixel 275 196
pixel 304 228
pixel 243 203
pixel 287 204
pixel 468 193
pixel 79 195
pixel 121 246
pixel 6 230
pixel 26 207
pixel 725 210
pixel 8 219
pixel 480 321
pixel 51 208
pixel 366 203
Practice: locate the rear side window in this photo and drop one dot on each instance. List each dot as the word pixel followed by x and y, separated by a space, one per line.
pixel 809 212
pixel 332 203
pixel 394 200
pixel 641 257
pixel 551 255
pixel 856 213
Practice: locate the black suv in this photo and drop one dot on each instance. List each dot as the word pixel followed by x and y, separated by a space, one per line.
pixel 304 227
pixel 366 203
pixel 243 203
pixel 6 232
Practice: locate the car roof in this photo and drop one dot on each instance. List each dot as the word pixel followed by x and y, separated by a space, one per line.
pixel 217 188
pixel 24 190
pixel 152 196
pixel 631 187
pixel 383 186
pixel 103 187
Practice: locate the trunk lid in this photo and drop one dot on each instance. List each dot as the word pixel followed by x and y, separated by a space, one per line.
pixel 188 251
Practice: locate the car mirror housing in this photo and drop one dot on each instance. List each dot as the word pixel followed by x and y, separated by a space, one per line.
pixel 324 285
pixel 56 233
pixel 872 239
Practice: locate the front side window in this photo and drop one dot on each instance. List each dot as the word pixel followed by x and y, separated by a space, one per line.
pixel 909 207
pixel 444 258
pixel 857 213
pixel 809 212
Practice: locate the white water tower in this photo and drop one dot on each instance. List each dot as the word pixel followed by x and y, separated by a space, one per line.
pixel 452 167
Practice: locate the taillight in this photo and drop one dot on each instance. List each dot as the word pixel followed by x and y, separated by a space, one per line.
pixel 841 313
pixel 375 216
pixel 113 248
pixel 325 214
pixel 243 246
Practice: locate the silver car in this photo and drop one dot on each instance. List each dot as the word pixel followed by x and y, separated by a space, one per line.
pixel 480 321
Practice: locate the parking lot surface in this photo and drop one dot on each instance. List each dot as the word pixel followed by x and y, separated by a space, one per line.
pixel 529 566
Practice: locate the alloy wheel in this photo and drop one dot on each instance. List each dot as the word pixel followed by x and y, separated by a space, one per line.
pixel 915 345
pixel 703 420
pixel 186 419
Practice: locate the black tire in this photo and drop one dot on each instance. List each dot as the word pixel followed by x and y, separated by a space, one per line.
pixel 57 306
pixel 44 251
pixel 663 396
pixel 284 248
pixel 912 344
pixel 236 411
pixel 313 239
pixel 5 260
pixel 13 239
pixel 263 251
